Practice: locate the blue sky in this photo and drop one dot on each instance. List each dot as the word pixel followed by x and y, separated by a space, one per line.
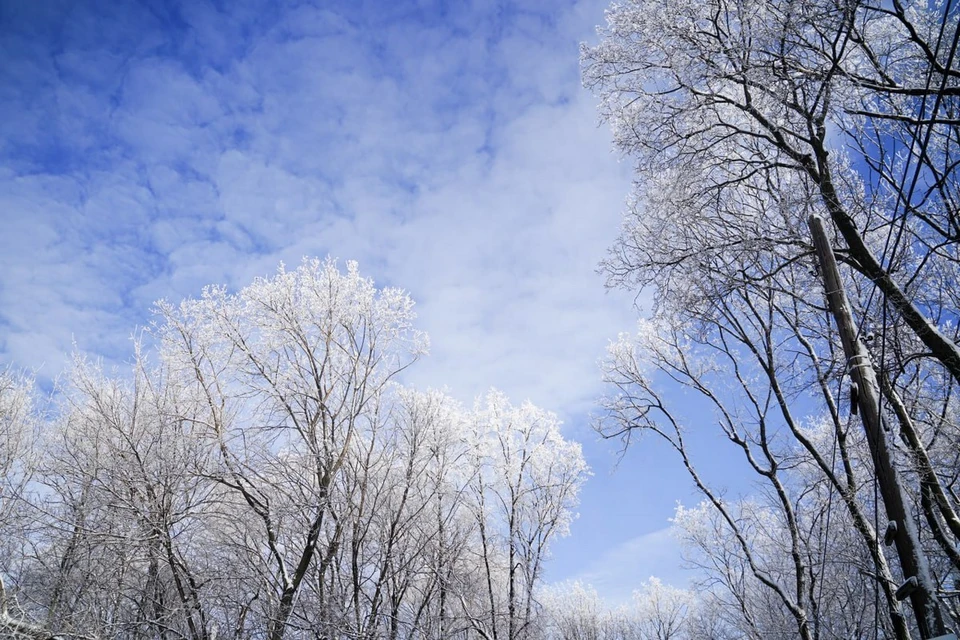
pixel 148 149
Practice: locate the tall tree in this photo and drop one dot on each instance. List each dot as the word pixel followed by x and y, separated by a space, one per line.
pixel 744 118
pixel 526 485
pixel 291 370
pixel 261 473
pixel 18 460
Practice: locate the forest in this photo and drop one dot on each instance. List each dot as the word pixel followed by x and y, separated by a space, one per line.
pixel 262 471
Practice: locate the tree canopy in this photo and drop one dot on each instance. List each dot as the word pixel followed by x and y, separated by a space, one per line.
pixel 744 119
pixel 262 473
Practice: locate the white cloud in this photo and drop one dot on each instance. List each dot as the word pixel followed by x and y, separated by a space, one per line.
pixel 464 166
pixel 623 569
pixel 454 156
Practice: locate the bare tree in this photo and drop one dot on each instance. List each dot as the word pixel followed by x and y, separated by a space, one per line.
pixel 745 118
pixel 526 485
pixel 573 611
pixel 291 370
pixel 262 473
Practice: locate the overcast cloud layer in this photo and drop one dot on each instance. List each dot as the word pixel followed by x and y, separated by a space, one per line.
pixel 447 147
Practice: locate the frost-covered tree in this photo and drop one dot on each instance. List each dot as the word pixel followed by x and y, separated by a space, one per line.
pixel 18 459
pixel 657 611
pixel 724 100
pixel 524 490
pixel 746 118
pixel 290 372
pixel 574 611
pixel 660 611
pixel 260 472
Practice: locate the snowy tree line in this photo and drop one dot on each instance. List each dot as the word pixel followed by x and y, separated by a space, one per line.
pixel 261 474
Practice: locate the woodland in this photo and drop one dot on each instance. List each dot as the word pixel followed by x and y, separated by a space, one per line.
pixel 260 471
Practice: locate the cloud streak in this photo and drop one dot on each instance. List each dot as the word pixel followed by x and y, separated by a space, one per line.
pixel 623 569
pixel 450 153
pixel 447 147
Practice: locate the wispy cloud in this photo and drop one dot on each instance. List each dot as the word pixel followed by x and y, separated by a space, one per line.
pixel 450 151
pixel 448 147
pixel 623 569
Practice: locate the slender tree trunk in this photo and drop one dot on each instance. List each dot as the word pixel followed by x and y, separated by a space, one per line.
pixel 942 347
pixel 912 559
